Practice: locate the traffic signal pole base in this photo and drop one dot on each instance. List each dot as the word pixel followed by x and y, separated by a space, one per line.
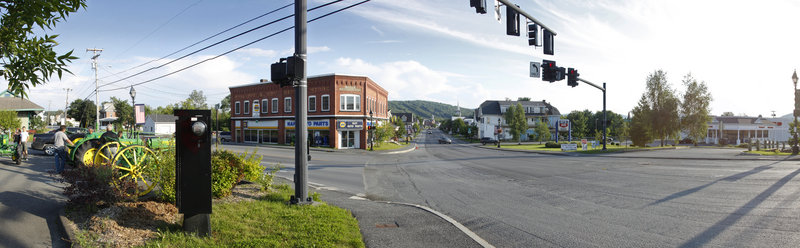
pixel 199 224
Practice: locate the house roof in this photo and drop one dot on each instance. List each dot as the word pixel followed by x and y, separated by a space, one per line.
pixel 163 118
pixel 18 104
pixel 492 107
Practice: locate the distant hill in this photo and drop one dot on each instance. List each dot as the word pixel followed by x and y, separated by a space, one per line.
pixel 425 109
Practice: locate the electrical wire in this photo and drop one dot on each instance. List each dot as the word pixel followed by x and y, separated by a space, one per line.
pixel 159 28
pixel 203 40
pixel 243 46
pixel 225 40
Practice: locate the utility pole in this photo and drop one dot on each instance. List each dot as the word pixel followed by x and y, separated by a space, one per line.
pixel 301 107
pixel 66 105
pixel 96 91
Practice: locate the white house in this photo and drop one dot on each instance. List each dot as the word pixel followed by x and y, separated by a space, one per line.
pixel 739 129
pixel 160 124
pixel 489 117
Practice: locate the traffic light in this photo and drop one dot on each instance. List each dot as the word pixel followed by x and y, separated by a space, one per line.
pixel 547 36
pixel 512 21
pixel 572 77
pixel 480 6
pixel 533 34
pixel 560 73
pixel 548 71
pixel 278 72
pixel 287 71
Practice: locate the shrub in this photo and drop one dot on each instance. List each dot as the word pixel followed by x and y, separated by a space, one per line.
pixel 551 144
pixel 91 186
pixel 228 169
pixel 164 175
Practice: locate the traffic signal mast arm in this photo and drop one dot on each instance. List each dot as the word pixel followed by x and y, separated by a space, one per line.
pixel 523 13
pixel 594 85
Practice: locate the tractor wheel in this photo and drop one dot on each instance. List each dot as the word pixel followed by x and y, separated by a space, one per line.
pixel 130 167
pixel 84 155
pixel 105 154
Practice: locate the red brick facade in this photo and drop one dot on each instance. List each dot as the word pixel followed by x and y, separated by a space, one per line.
pixel 342 125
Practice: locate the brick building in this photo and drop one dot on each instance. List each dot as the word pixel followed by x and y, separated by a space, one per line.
pixel 338 111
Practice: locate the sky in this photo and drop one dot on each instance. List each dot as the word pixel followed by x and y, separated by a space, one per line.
pixel 441 50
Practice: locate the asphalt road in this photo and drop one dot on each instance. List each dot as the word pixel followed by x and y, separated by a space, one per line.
pixel 30 199
pixel 675 198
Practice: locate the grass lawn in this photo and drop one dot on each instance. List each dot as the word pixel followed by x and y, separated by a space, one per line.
pixel 540 147
pixel 383 146
pixel 271 222
pixel 770 153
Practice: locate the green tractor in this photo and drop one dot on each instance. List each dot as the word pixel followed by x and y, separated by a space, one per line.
pixel 9 148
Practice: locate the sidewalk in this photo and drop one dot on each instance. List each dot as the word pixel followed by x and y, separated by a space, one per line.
pixel 385 224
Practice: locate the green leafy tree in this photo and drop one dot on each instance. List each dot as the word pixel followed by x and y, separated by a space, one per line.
pixel 640 124
pixel 27 59
pixel 9 120
pixel 37 123
pixel 196 100
pixel 524 99
pixel 124 112
pixel 578 120
pixel 727 114
pixel 84 111
pixel 663 104
pixel 542 131
pixel 384 133
pixel 517 123
pixel 458 126
pixel 623 132
pixel 695 108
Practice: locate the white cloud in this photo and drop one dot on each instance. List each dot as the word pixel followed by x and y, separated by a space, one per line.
pixel 403 79
pixel 258 52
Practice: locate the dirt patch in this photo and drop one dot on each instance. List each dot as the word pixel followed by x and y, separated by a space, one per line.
pixel 127 224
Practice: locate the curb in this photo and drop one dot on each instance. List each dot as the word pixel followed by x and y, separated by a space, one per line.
pixel 450 220
pixel 756 157
pixel 68 232
pixel 412 147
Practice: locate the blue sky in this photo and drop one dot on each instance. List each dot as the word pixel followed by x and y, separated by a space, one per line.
pixel 443 51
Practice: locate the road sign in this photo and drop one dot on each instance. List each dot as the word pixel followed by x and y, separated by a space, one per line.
pixel 563 125
pixel 536 69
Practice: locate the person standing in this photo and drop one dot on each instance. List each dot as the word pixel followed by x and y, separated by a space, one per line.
pixel 61 151
pixel 23 141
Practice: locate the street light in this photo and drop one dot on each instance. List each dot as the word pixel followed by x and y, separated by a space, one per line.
pixel 133 99
pixel 795 148
pixel 371 131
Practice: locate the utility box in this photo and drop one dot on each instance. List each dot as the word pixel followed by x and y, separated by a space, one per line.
pixel 193 169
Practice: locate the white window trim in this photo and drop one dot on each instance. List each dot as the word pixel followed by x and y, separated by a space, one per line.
pixel 287 108
pixel 236 107
pixel 275 105
pixel 356 103
pixel 264 106
pixel 329 103
pixel 312 107
pixel 246 107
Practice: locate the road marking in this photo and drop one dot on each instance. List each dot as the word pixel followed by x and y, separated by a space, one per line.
pixel 358 198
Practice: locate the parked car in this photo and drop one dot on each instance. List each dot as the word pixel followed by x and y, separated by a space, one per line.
pixel 445 140
pixel 225 136
pixel 487 140
pixel 429 132
pixel 44 141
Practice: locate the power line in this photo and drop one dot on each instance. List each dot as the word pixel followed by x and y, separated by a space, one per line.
pixel 203 40
pixel 203 49
pixel 159 27
pixel 240 47
pixel 230 38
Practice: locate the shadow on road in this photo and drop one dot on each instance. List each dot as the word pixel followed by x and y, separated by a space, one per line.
pixel 16 204
pixel 730 178
pixel 712 232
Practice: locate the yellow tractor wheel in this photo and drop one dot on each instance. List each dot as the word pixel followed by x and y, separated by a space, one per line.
pixel 130 170
pixel 105 154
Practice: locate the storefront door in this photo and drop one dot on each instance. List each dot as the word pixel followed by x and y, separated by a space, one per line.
pixel 349 139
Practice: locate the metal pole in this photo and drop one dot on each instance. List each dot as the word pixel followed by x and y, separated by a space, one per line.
pixel 301 118
pixel 525 14
pixel 605 139
pixel 371 131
